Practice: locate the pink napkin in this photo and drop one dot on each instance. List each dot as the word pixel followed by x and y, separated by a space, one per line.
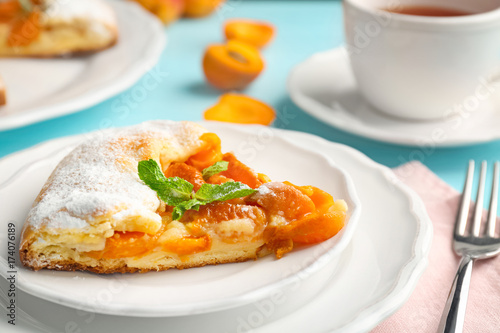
pixel 423 310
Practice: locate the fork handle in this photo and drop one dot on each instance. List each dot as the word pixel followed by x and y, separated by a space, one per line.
pixel 452 320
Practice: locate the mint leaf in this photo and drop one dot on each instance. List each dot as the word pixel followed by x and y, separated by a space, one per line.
pixel 172 191
pixel 214 169
pixel 26 5
pixel 223 192
pixel 181 208
pixel 178 192
pixel 151 174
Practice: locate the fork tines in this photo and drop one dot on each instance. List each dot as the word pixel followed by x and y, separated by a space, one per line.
pixel 461 226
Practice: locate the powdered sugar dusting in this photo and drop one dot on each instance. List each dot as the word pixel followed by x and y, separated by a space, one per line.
pixel 99 178
pixel 67 11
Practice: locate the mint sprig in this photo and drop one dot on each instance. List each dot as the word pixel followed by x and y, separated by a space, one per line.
pixel 214 169
pixel 177 192
pixel 172 191
pixel 26 5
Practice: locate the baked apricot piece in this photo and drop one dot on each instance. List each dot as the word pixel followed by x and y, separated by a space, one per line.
pixel 218 179
pixel 322 200
pixel 218 212
pixel 280 247
pixel 188 245
pixel 239 172
pixel 232 66
pixel 317 228
pixel 167 11
pixel 209 153
pixel 241 109
pixel 278 199
pixel 256 33
pixel 201 8
pixel 186 172
pixel 125 244
pixel 9 9
pixel 25 29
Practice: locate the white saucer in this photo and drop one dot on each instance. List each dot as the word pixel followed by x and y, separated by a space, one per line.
pixel 40 89
pixel 372 278
pixel 180 292
pixel 324 86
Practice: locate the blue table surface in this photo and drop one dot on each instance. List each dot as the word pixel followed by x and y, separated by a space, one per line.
pixel 303 28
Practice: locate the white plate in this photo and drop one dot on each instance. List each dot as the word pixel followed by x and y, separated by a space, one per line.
pixel 190 291
pixel 324 86
pixel 40 89
pixel 373 278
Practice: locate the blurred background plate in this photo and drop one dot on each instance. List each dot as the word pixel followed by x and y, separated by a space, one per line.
pixel 79 82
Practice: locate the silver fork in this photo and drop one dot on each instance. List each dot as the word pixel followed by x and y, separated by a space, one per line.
pixel 470 245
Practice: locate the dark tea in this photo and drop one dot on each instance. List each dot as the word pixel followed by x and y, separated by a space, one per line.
pixel 427 11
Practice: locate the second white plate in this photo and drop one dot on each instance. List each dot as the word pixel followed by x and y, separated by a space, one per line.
pixel 40 89
pixel 373 277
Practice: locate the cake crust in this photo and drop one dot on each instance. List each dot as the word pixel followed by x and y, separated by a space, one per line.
pixel 95 190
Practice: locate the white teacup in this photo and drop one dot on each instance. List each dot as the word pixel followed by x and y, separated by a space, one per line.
pixel 421 67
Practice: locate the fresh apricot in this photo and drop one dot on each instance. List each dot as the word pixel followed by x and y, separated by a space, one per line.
pixel 241 109
pixel 201 8
pixel 167 11
pixel 240 172
pixel 256 33
pixel 208 154
pixel 187 172
pixel 233 65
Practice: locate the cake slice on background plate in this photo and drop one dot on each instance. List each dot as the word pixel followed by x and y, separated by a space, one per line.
pixel 49 28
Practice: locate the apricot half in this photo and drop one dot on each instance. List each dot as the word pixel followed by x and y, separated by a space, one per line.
pixel 256 33
pixel 233 65
pixel 167 11
pixel 201 8
pixel 237 108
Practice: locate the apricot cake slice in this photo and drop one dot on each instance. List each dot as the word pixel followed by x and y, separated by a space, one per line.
pixel 162 195
pixel 47 28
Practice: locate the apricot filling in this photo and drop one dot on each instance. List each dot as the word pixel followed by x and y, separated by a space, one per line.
pixel 279 214
pixel 25 26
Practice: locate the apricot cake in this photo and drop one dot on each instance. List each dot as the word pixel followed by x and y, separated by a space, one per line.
pixel 162 195
pixel 47 28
